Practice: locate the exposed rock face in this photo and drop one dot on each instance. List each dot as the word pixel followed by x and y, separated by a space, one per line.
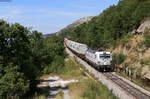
pixel 80 21
pixel 76 23
pixel 137 56
pixel 143 26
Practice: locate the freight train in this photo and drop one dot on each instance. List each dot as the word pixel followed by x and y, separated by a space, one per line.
pixel 100 60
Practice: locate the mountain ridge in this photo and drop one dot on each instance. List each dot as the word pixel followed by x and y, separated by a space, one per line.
pixel 72 25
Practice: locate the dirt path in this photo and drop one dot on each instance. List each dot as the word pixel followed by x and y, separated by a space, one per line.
pixel 66 94
pixel 55 84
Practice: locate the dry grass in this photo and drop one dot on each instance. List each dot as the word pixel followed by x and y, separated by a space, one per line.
pixel 76 90
pixel 89 89
pixel 80 90
pixel 136 55
pixel 59 95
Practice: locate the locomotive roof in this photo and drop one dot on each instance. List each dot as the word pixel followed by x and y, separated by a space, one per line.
pixel 77 43
pixel 94 51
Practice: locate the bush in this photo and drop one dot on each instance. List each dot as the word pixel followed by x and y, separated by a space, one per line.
pixel 97 91
pixel 146 41
pixel 55 66
pixel 13 83
pixel 118 59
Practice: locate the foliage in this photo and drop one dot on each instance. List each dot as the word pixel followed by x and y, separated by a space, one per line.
pixel 71 69
pixel 112 24
pixel 55 54
pixel 13 83
pixel 15 50
pixel 59 95
pixel 23 56
pixel 118 59
pixel 146 41
pixel 145 61
pixel 97 91
pixel 55 66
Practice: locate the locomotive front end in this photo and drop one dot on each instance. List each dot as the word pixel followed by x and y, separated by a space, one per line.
pixel 104 61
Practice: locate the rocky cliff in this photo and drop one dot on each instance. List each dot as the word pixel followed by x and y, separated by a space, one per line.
pixel 80 21
pixel 76 23
pixel 136 52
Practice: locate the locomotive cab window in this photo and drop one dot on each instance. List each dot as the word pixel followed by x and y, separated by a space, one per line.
pixel 104 56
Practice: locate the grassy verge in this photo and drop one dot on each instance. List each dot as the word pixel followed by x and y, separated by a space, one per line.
pixel 69 71
pixel 86 88
pixel 89 89
pixel 59 95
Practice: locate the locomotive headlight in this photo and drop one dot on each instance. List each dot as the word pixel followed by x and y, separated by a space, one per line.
pixel 99 63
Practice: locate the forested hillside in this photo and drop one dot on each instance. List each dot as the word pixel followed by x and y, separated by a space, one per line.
pixel 25 55
pixel 112 30
pixel 112 24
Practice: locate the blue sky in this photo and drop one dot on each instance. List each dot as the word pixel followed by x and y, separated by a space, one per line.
pixel 50 16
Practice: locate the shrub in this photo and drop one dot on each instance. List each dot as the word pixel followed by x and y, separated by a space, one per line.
pixel 13 83
pixel 146 41
pixel 97 91
pixel 55 66
pixel 118 58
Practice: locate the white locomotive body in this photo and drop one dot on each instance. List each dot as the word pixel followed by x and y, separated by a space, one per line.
pixel 100 60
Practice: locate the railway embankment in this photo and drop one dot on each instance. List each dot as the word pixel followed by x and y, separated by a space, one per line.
pixel 119 86
pixel 83 85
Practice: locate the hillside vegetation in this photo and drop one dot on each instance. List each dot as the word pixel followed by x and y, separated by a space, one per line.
pixel 112 31
pixel 112 24
pixel 85 88
pixel 132 55
pixel 25 55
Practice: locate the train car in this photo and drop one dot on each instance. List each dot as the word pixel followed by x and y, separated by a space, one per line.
pixel 76 47
pixel 100 60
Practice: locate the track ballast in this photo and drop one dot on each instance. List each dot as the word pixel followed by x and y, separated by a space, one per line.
pixel 127 87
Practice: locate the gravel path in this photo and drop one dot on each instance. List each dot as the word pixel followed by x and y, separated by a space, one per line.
pixel 56 83
pixel 66 94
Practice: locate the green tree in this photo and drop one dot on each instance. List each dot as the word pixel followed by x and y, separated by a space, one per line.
pixel 23 56
pixel 13 83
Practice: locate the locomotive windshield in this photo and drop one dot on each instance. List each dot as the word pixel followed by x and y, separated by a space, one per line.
pixel 104 55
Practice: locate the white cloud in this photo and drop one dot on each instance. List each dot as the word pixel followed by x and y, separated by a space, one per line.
pixel 68 13
pixel 85 7
pixel 44 19
pixel 22 12
pixel 56 12
pixel 16 11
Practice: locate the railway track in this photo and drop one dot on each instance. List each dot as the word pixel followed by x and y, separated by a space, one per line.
pixel 122 88
pixel 127 87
